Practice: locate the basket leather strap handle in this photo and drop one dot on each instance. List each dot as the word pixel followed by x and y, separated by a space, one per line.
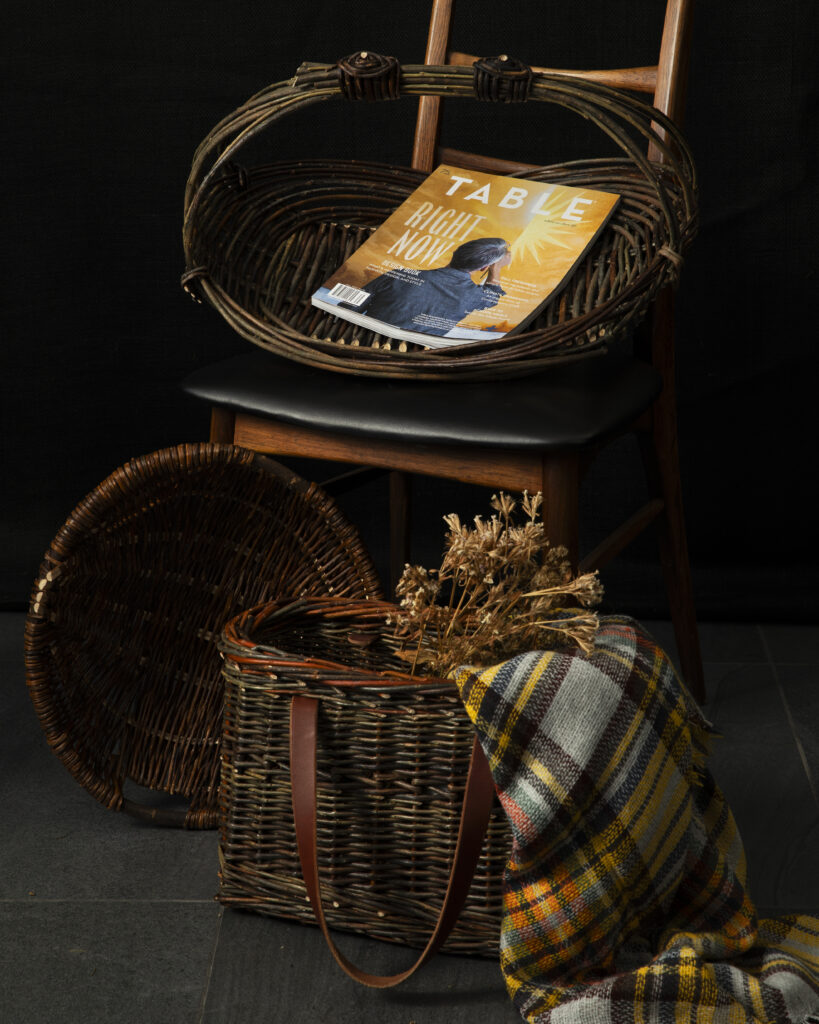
pixel 478 797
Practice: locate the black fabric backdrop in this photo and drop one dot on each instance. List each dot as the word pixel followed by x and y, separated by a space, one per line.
pixel 105 105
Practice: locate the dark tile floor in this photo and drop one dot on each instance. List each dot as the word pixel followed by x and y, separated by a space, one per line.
pixel 106 920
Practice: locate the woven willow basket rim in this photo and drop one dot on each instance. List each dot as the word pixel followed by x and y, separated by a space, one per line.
pixel 241 645
pixel 231 271
pixel 120 651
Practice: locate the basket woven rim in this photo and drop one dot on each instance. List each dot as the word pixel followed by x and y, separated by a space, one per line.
pixel 239 647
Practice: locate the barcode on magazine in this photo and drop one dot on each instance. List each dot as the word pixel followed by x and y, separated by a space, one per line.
pixel 355 296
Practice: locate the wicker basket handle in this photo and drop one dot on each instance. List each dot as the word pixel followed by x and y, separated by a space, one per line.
pixel 478 798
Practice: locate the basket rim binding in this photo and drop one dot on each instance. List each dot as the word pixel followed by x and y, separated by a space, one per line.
pixel 369 616
pixel 671 187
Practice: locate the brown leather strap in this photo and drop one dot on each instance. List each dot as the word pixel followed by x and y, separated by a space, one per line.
pixel 477 806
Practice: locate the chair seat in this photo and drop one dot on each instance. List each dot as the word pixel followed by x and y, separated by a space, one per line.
pixel 568 406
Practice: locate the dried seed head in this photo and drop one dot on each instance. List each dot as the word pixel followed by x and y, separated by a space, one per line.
pixel 501 588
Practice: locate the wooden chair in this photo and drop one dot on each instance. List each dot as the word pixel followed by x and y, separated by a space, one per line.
pixel 538 433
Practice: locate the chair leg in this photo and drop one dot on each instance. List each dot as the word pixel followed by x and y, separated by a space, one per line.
pixel 560 486
pixel 400 518
pixel 222 425
pixel 661 461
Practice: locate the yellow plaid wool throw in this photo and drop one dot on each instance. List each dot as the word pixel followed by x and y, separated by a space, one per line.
pixel 625 895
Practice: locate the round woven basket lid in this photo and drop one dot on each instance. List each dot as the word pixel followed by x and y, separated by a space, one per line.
pixel 120 639
pixel 260 240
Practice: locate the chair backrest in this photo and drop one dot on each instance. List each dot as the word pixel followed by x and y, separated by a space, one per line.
pixel 664 82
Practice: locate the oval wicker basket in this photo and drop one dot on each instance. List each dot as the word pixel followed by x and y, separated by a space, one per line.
pixel 393 756
pixel 259 241
pixel 121 658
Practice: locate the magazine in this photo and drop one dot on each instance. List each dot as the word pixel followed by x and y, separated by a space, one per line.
pixel 468 257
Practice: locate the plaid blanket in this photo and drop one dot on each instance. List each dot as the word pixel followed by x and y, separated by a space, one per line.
pixel 625 895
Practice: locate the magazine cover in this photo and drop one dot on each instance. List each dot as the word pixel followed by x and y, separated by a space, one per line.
pixel 467 257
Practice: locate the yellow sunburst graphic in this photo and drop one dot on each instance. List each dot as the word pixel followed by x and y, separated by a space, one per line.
pixel 546 232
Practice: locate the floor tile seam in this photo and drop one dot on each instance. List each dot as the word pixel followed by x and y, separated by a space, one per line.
pixel 773 913
pixel 789 716
pixel 203 1004
pixel 142 900
pixel 712 659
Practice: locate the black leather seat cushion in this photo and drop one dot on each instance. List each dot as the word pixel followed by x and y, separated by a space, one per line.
pixel 567 406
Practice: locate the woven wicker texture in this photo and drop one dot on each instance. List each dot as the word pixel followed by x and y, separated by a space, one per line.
pixel 121 658
pixel 393 754
pixel 259 241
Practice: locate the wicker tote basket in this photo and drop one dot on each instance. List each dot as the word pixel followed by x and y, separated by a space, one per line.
pixel 120 639
pixel 260 240
pixel 392 759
